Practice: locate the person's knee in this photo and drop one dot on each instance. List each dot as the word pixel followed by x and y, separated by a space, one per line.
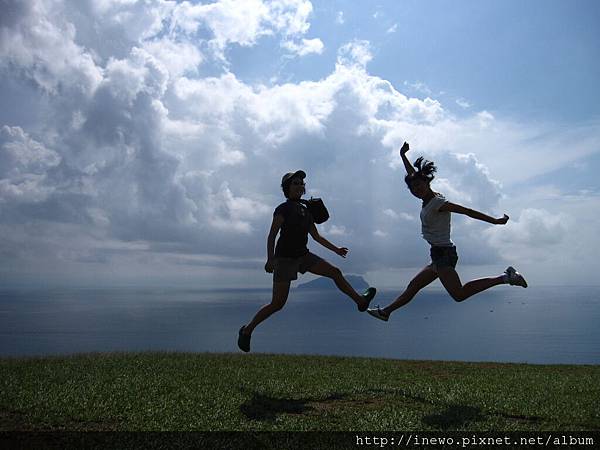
pixel 277 305
pixel 335 273
pixel 458 296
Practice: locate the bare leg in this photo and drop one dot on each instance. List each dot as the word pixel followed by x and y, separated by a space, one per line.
pixel 426 276
pixel 459 293
pixel 325 269
pixel 281 290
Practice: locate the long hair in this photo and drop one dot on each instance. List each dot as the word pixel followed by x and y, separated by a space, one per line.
pixel 424 171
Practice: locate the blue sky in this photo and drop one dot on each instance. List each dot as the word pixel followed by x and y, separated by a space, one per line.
pixel 537 58
pixel 147 139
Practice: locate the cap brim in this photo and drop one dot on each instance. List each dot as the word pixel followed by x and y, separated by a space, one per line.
pixel 299 173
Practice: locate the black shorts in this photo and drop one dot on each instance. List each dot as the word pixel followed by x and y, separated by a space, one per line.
pixel 286 269
pixel 443 257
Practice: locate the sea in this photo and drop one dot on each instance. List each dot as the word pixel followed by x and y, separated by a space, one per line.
pixel 538 325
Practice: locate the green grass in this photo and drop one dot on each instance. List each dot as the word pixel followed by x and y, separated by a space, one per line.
pixel 173 391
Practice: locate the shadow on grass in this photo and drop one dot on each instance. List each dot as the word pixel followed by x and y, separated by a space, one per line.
pixel 266 408
pixel 444 417
pixel 447 416
pixel 453 417
pixel 457 416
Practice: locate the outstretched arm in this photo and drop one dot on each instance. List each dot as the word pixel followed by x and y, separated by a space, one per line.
pixel 342 251
pixel 458 209
pixel 407 165
pixel 275 227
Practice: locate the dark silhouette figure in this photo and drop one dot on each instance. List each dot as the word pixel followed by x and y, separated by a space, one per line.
pixel 435 226
pixel 294 222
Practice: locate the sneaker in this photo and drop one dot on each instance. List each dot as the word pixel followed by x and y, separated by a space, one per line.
pixel 514 278
pixel 244 340
pixel 378 313
pixel 368 296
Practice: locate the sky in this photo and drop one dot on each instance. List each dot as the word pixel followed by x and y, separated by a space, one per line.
pixel 143 142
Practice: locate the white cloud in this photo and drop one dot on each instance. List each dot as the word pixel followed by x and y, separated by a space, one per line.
pixel 392 29
pixel 355 54
pixel 536 236
pixel 147 140
pixel 339 18
pixel 335 230
pixel 291 16
pixel 24 166
pixel 38 40
pixel 230 213
pixel 19 153
pixel 533 228
pixel 136 20
pixel 179 58
pixel 398 216
pixel 419 86
pixel 243 22
pixel 103 6
pixel 230 21
pixel 466 172
pixel 463 103
pixel 305 47
pixel 391 213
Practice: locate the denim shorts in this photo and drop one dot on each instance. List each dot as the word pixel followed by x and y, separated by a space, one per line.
pixel 443 257
pixel 286 269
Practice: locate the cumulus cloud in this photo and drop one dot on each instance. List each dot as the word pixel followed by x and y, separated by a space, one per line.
pixel 391 213
pixel 24 166
pixel 243 22
pixel 39 43
pixel 398 216
pixel 149 151
pixel 463 171
pixel 533 236
pixel 536 227
pixel 20 154
pixel 355 54
pixel 335 230
pixel 304 47
pixel 178 57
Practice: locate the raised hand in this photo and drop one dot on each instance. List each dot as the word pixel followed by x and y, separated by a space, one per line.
pixel 404 148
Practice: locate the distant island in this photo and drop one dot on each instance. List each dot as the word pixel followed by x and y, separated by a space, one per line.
pixel 357 282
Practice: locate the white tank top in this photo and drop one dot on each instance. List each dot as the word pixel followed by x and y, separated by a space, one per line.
pixel 435 225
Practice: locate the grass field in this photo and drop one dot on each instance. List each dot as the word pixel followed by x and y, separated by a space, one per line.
pixel 201 392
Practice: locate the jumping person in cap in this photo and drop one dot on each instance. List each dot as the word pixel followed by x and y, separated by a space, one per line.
pixel 294 222
pixel 435 227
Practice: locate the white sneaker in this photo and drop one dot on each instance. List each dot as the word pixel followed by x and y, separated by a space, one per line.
pixel 515 278
pixel 378 313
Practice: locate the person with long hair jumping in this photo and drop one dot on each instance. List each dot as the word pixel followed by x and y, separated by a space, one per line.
pixel 435 228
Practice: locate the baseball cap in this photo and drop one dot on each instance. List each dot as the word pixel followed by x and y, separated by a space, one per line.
pixel 288 176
